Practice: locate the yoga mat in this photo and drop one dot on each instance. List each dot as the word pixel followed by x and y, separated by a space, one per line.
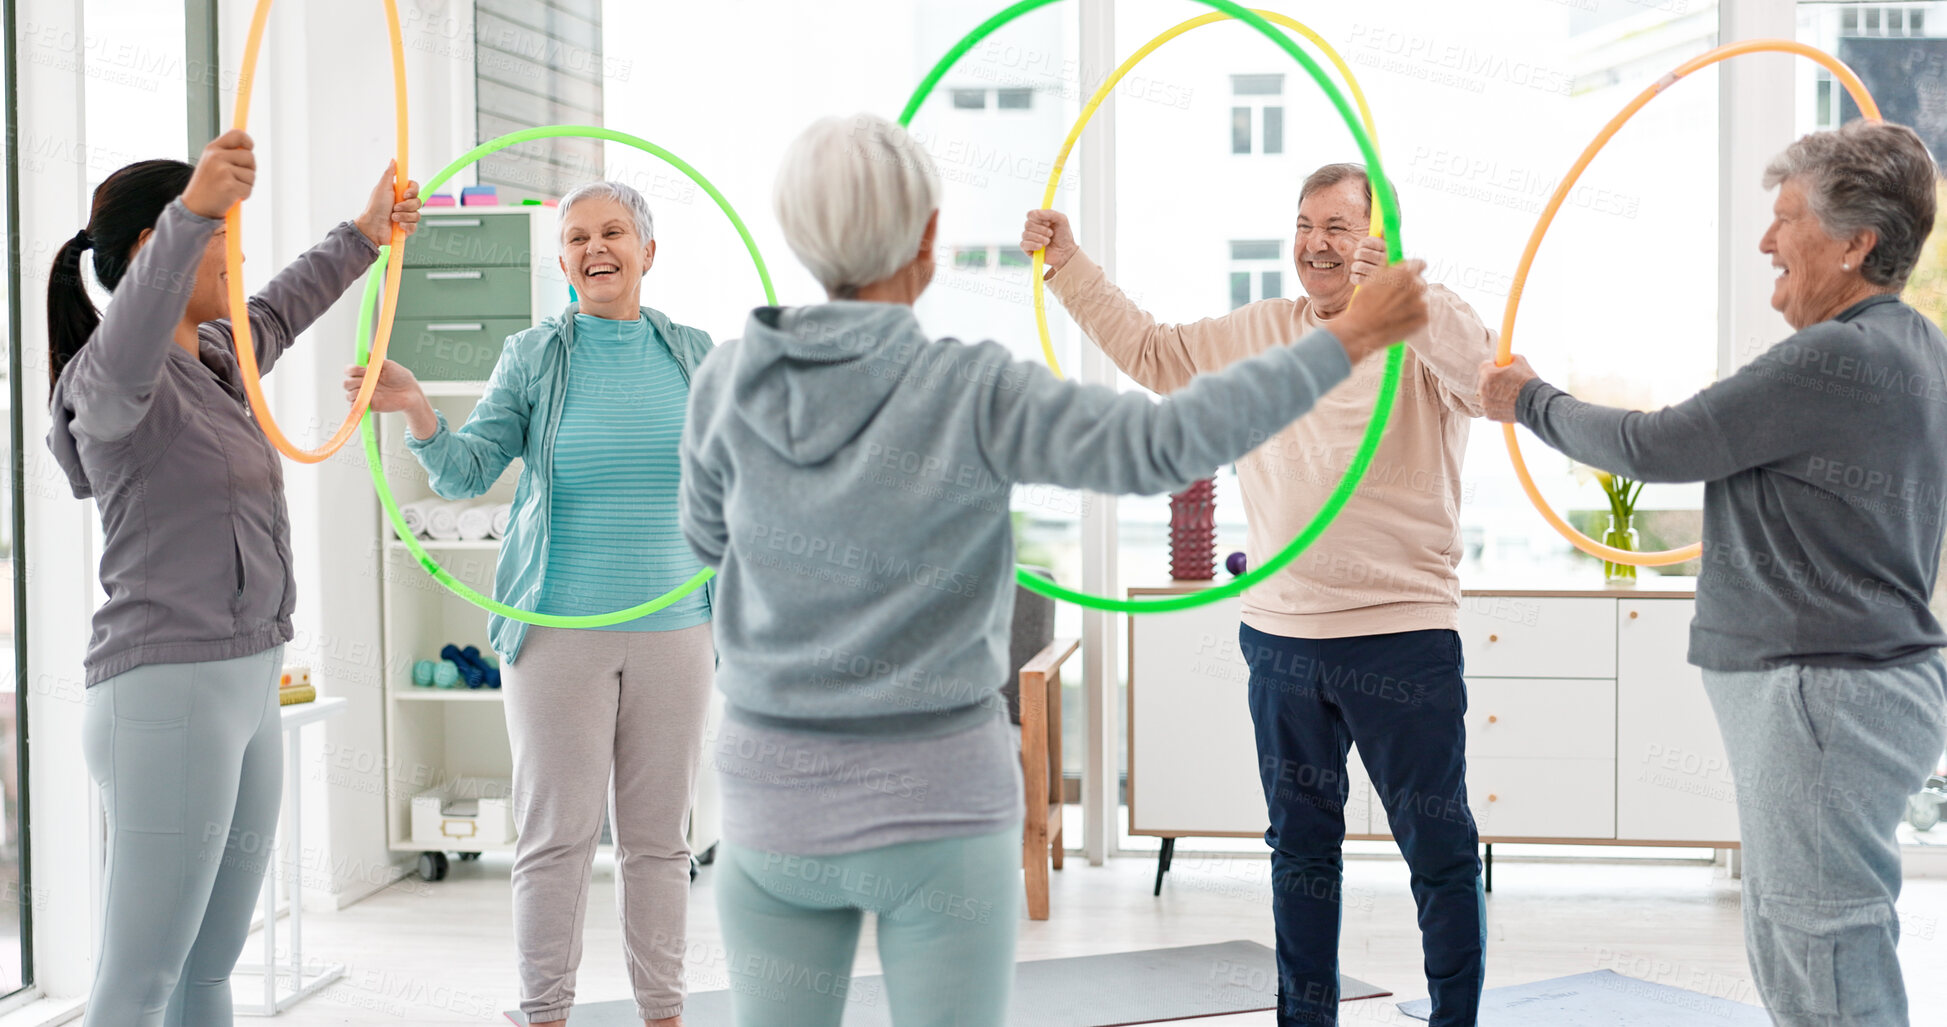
pixel 1604 998
pixel 1082 991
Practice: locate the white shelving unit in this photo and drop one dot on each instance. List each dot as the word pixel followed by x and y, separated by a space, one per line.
pixel 434 735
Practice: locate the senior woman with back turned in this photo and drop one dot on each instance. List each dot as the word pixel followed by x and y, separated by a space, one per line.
pixel 848 477
pixel 1826 467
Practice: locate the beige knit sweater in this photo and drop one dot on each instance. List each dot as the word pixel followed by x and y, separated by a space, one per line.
pixel 1388 563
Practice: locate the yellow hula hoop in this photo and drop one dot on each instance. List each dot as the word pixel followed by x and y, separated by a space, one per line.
pixel 1108 86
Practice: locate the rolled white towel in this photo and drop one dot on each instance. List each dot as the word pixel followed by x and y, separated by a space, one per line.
pixel 476 521
pixel 443 521
pixel 503 516
pixel 415 515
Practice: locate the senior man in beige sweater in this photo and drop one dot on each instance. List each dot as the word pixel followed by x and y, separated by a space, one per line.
pixel 1356 641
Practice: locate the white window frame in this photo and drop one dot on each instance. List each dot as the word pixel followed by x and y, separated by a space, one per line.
pixel 1256 268
pixel 1257 107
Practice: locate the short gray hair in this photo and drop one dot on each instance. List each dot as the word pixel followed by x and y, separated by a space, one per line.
pixel 1332 174
pixel 632 201
pixel 1867 175
pixel 853 197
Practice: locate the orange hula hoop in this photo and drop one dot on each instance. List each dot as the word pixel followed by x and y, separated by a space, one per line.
pixel 1505 353
pixel 253 382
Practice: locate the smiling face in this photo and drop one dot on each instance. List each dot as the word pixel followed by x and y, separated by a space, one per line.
pixel 209 296
pixel 1331 221
pixel 603 255
pixel 1818 276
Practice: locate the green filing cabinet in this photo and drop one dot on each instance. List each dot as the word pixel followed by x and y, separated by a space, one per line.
pixel 468 283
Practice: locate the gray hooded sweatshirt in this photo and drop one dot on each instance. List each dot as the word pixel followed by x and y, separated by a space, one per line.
pixel 196 558
pixel 849 479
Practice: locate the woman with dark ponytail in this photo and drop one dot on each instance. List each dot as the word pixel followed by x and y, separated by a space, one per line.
pixel 150 418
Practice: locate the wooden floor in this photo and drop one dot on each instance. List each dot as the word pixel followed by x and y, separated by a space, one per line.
pixel 442 953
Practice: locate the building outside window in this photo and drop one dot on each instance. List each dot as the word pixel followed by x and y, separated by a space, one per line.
pixel 1257 114
pixel 1256 271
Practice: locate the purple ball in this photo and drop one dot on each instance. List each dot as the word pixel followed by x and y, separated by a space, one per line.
pixel 1234 563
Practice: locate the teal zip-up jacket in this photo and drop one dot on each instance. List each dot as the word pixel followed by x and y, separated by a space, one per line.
pixel 517 416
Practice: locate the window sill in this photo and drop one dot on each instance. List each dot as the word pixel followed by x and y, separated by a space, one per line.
pixel 45 1012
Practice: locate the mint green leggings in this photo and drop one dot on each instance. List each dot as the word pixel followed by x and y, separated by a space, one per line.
pixel 946 911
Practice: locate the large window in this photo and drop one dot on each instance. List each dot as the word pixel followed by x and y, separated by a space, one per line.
pixel 1900 52
pixel 1622 302
pixel 993 126
pixel 15 962
pixel 1479 119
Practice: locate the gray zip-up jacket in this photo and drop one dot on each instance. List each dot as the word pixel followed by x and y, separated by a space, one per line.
pixel 197 557
pixel 849 479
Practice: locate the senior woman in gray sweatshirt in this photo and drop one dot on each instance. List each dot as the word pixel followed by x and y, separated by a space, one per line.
pixel 150 418
pixel 1825 469
pixel 848 477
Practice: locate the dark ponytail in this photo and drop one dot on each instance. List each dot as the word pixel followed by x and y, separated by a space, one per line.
pixel 126 205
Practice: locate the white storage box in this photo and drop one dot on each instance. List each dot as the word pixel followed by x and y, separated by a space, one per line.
pixel 466 815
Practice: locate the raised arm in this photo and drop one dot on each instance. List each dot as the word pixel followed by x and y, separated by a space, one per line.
pixel 1159 357
pixel 1033 428
pixel 307 287
pixel 114 378
pixel 1451 348
pixel 301 293
pixel 1452 345
pixel 1750 419
pixel 465 463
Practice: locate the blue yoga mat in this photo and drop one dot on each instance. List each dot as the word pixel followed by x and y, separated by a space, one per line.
pixel 1081 991
pixel 1604 998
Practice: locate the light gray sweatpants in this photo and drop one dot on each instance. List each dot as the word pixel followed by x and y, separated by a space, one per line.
pixel 595 716
pixel 1825 759
pixel 190 761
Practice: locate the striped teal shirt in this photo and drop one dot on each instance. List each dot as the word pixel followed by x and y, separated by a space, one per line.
pixel 613 539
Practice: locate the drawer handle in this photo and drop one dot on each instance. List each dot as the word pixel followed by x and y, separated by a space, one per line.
pixel 441 276
pixel 1491 797
pixel 1492 719
pixel 1632 614
pixel 457 326
pixel 1493 638
pixel 453 223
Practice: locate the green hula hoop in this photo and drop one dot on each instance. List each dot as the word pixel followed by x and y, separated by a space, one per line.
pixel 369 434
pixel 1382 407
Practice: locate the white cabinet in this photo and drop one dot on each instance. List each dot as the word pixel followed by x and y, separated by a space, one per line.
pixel 1196 721
pixel 1553 799
pixel 1504 636
pixel 1673 781
pixel 1584 723
pixel 1541 718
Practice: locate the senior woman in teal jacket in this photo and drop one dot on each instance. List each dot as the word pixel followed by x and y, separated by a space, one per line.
pixel 593 403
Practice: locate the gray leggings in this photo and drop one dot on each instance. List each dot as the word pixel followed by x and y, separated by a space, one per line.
pixel 189 759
